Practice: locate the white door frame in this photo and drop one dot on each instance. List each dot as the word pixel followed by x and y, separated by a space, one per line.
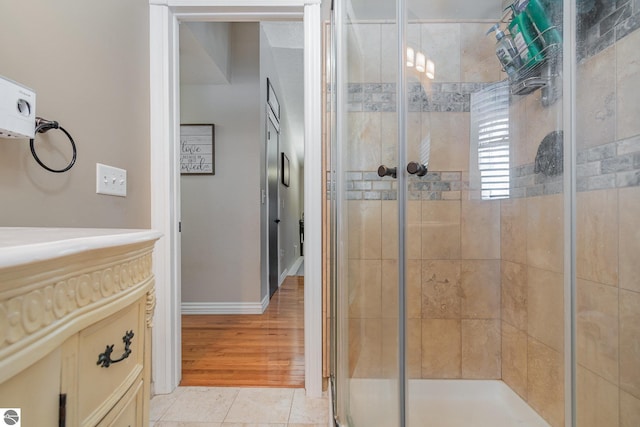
pixel 164 16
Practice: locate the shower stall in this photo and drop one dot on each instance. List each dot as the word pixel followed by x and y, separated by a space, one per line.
pixel 484 230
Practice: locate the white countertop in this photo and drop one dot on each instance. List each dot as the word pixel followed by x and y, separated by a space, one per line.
pixel 23 245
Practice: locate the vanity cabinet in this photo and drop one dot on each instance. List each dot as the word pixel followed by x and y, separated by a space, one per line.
pixel 76 309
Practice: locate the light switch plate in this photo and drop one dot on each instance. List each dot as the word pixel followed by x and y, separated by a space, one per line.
pixel 111 180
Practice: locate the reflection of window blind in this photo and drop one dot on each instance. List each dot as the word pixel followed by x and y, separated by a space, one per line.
pixel 490 125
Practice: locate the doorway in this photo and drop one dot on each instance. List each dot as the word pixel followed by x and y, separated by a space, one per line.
pixel 165 209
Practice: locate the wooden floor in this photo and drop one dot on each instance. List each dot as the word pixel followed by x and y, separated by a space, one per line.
pixel 250 350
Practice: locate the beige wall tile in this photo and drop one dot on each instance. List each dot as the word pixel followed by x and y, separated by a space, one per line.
pixel 629 410
pixel 545 387
pixel 597 328
pixel 522 149
pixel 597 400
pixel 449 134
pixel 513 230
pixel 514 359
pixel 441 292
pixel 478 61
pixel 441 352
pixel 545 232
pixel 545 307
pixel 596 100
pixel 480 282
pixel 628 90
pixel 414 289
pixel 365 348
pixel 629 342
pixel 539 122
pixel 365 53
pixel 597 236
pixel 365 231
pixel 629 237
pixel 365 288
pixel 389 229
pixel 389 138
pixel 441 43
pixel 481 349
pixel 414 229
pixel 364 147
pixel 389 49
pixel 440 229
pixel 414 348
pixel 514 294
pixel 389 285
pixel 480 229
pixel 389 348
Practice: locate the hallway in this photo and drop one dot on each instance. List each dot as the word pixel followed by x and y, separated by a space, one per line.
pixel 264 350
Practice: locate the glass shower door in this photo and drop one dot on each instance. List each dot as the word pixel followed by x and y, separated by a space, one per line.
pixel 368 368
pixel 453 280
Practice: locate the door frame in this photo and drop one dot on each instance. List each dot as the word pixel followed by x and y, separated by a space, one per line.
pixel 164 16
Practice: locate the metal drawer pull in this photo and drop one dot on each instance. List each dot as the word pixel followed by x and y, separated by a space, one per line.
pixel 104 359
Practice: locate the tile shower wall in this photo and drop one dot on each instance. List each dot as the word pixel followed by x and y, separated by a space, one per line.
pixel 608 236
pixel 453 254
pixel 608 208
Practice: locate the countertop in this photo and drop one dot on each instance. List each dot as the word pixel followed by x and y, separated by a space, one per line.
pixel 24 245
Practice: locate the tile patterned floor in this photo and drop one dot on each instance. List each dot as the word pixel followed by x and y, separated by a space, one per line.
pixel 238 407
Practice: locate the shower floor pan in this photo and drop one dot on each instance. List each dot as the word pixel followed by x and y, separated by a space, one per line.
pixel 441 403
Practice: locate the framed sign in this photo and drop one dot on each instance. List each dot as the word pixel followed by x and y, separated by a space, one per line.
pixel 285 169
pixel 197 154
pixel 272 100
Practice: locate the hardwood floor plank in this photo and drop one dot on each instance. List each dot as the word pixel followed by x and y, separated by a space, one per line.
pixel 264 350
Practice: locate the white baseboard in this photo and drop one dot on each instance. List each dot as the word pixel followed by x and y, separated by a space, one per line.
pixel 296 265
pixel 283 276
pixel 225 307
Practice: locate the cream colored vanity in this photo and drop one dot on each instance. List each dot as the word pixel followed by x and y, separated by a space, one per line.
pixel 76 309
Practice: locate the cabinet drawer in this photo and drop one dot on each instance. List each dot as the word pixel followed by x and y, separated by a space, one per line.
pixel 128 412
pixel 99 388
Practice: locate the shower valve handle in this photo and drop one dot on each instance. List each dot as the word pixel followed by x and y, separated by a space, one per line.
pixel 415 168
pixel 385 171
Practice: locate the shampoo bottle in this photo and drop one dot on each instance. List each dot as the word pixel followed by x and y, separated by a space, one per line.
pixel 535 11
pixel 506 51
pixel 525 37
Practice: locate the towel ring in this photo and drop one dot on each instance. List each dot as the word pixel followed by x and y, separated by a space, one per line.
pixel 42 126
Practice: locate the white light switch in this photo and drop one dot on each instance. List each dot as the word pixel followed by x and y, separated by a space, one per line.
pixel 110 180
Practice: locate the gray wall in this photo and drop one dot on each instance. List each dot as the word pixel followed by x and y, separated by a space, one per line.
pixel 291 198
pixel 224 226
pixel 221 213
pixel 89 65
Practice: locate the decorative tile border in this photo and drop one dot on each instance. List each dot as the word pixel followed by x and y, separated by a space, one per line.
pixel 606 24
pixel 365 185
pixel 613 165
pixel 442 97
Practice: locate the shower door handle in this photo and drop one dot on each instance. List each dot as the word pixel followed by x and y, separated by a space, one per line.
pixel 385 171
pixel 415 168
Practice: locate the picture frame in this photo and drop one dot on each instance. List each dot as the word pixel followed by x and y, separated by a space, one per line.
pixel 272 100
pixel 285 169
pixel 197 149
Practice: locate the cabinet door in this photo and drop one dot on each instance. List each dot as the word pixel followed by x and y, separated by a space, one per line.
pixel 36 391
pixel 128 412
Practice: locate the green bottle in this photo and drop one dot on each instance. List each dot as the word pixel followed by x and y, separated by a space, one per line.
pixel 526 37
pixel 535 11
